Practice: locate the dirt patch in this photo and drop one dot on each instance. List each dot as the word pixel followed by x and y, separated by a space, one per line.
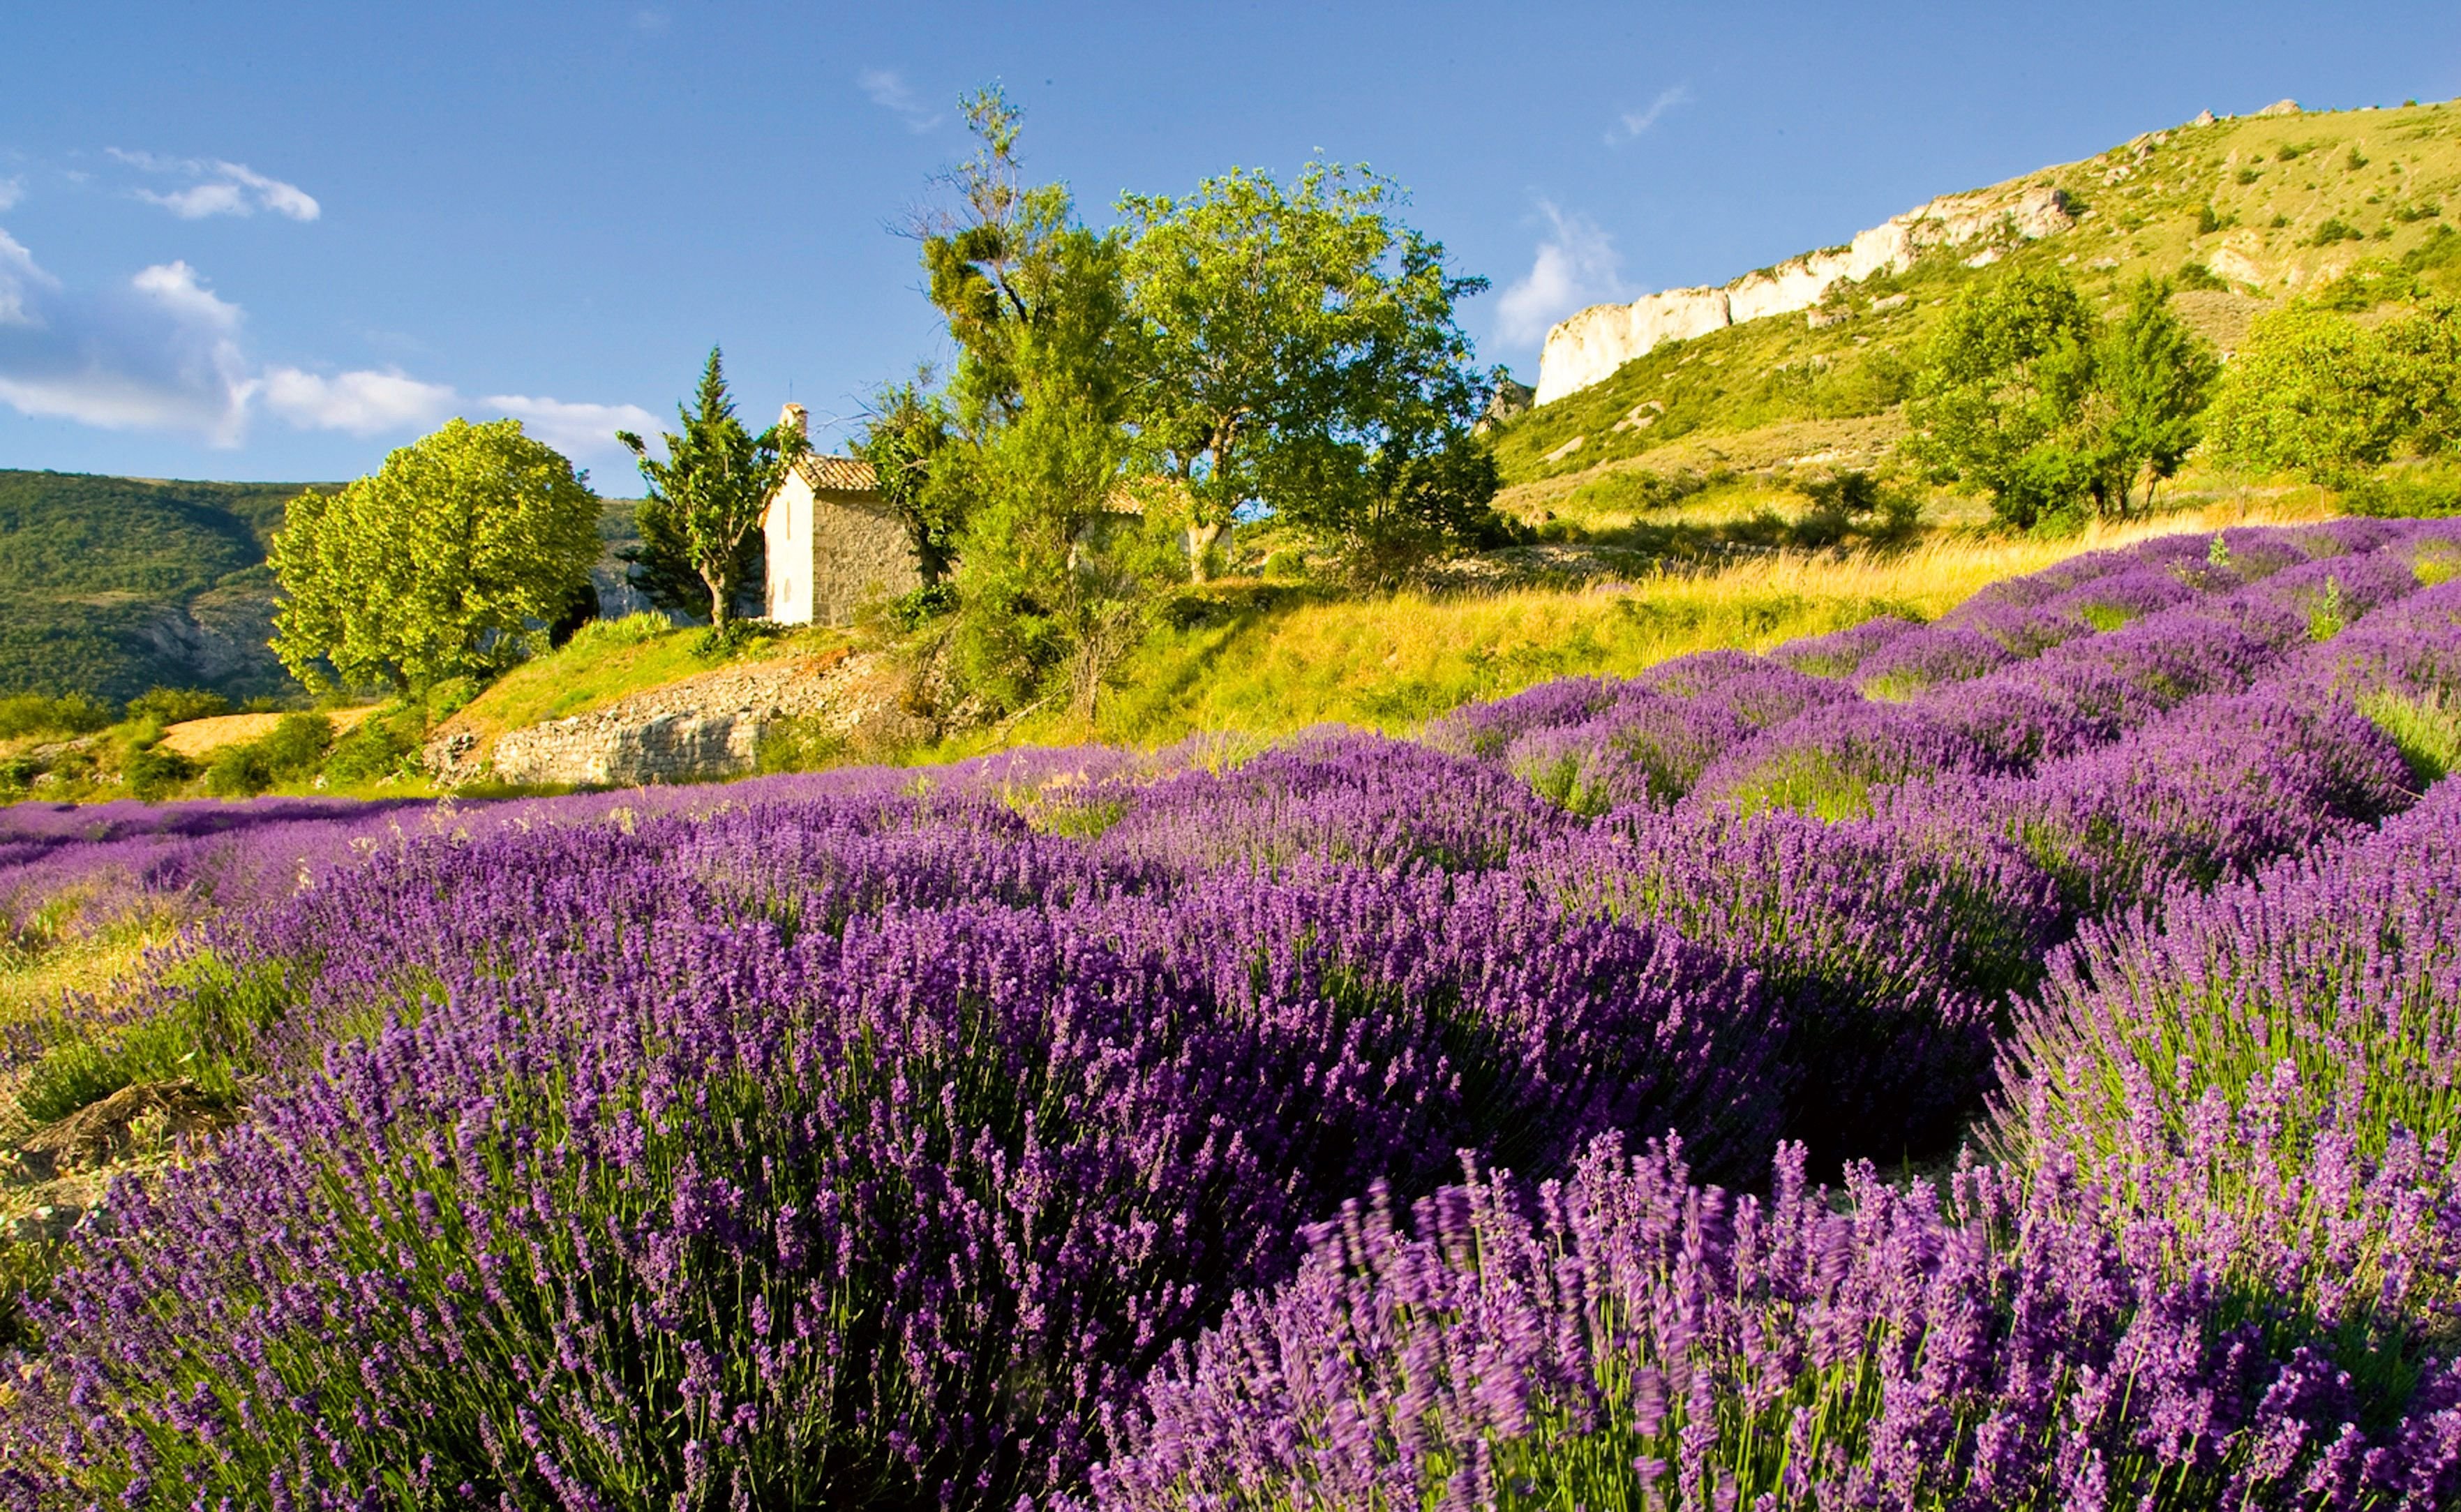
pixel 196 737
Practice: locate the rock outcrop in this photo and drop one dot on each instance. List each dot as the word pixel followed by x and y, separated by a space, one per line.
pixel 1590 346
pixel 702 728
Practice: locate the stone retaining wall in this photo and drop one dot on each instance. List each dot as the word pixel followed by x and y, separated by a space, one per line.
pixel 697 730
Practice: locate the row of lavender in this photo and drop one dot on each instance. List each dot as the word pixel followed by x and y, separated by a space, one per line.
pixel 857 1140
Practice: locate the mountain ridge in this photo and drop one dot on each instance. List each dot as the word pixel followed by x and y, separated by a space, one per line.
pixel 2239 213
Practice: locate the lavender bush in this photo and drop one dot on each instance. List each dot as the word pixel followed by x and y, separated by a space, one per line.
pixel 2341 964
pixel 928 1138
pixel 1627 1339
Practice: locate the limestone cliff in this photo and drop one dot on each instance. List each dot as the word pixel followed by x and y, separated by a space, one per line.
pixel 1590 346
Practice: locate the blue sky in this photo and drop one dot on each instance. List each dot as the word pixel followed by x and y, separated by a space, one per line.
pixel 262 242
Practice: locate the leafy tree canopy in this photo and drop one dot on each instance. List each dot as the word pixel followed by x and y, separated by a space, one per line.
pixel 2026 394
pixel 2319 394
pixel 448 561
pixel 905 431
pixel 700 518
pixel 1295 345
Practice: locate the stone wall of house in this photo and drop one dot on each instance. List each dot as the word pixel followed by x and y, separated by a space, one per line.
pixel 858 553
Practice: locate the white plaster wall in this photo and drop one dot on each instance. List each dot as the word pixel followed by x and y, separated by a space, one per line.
pixel 787 529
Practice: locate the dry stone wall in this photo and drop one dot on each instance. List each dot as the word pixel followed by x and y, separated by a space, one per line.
pixel 699 729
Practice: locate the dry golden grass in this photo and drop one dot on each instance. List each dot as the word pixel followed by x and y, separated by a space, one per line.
pixel 1391 663
pixel 195 738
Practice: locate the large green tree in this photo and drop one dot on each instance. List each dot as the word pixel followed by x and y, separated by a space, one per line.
pixel 706 499
pixel 451 560
pixel 2153 378
pixel 1029 475
pixel 2027 394
pixel 1296 347
pixel 2001 399
pixel 2315 392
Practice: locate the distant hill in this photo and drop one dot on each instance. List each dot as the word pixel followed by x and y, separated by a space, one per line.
pixel 2239 213
pixel 112 585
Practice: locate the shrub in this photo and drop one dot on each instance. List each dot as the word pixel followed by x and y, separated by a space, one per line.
pixel 154 771
pixel 239 771
pixel 34 714
pixel 297 744
pixel 171 706
pixel 382 745
pixel 2193 274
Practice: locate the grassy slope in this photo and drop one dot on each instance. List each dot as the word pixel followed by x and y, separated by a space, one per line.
pixel 1775 391
pixel 606 663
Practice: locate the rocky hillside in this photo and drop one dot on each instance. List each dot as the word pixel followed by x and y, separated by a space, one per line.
pixel 2240 213
pixel 112 585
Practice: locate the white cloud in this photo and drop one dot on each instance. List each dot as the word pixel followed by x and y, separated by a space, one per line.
pixel 362 403
pixel 158 353
pixel 21 280
pixel 12 191
pixel 576 429
pixel 1633 122
pixel 1575 266
pixel 162 351
pixel 176 288
pixel 887 89
pixel 220 188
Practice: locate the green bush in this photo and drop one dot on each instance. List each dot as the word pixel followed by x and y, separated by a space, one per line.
pixel 154 773
pixel 930 601
pixel 297 745
pixel 2336 230
pixel 69 714
pixel 2194 274
pixel 381 746
pixel 172 705
pixel 239 771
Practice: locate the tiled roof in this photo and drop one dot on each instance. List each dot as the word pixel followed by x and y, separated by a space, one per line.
pixel 838 475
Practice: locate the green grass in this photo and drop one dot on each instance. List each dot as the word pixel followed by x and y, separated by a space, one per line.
pixel 2427 730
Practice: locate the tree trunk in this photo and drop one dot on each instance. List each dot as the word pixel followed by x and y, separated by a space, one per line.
pixel 1200 540
pixel 721 601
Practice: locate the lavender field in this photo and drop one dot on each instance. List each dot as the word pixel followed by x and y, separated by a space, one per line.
pixel 2006 1063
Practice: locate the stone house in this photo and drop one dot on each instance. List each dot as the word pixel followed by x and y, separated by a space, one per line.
pixel 833 540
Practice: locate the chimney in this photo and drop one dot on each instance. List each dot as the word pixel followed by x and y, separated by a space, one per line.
pixel 795 418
